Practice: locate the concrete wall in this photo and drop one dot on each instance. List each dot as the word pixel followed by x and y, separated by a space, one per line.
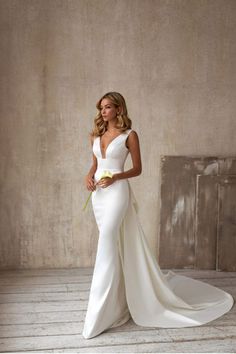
pixel 173 60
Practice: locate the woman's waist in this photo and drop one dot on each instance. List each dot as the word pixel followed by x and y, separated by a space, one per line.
pixel 110 164
pixel 101 172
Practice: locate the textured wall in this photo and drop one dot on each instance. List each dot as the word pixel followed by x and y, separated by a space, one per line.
pixel 173 60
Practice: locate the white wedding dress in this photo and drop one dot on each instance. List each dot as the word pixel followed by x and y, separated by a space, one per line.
pixel 127 280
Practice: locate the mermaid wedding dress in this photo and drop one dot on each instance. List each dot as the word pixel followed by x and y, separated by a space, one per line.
pixel 127 280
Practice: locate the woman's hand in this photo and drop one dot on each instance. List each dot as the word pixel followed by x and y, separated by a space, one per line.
pixel 89 181
pixel 106 181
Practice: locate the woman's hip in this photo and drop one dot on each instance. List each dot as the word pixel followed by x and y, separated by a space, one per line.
pixel 110 203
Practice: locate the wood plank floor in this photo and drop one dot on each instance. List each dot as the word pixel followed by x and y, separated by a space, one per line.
pixel 44 310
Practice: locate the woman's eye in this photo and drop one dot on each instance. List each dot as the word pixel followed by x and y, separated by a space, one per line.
pixel 101 108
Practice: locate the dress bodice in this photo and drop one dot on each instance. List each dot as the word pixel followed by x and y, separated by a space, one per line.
pixel 115 154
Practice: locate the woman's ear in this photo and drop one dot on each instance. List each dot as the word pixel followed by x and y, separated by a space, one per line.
pixel 119 111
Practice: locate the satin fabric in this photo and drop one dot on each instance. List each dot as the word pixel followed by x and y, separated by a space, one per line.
pixel 127 280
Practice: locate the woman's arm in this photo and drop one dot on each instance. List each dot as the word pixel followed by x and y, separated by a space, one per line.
pixel 89 179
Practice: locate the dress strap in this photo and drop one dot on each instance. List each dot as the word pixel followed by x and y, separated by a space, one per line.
pixel 128 131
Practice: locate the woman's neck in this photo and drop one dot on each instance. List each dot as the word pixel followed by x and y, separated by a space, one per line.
pixel 112 126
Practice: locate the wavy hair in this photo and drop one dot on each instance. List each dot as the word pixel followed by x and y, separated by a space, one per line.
pixel 123 120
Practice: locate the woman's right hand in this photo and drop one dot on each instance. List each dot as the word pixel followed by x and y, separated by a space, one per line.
pixel 89 181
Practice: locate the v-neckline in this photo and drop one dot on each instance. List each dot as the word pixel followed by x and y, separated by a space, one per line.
pixel 105 152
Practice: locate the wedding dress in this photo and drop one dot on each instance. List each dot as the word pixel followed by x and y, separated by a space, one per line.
pixel 127 280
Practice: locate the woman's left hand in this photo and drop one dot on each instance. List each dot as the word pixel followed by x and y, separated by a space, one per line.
pixel 106 181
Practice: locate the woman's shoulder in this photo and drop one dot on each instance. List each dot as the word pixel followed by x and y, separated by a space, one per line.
pixel 131 132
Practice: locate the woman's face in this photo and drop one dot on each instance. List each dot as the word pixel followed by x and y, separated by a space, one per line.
pixel 108 110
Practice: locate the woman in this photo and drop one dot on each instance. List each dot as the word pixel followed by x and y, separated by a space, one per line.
pixel 127 280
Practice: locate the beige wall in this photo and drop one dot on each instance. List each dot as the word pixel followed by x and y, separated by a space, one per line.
pixel 173 60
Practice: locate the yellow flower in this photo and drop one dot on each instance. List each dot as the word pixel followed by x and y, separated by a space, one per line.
pixel 105 174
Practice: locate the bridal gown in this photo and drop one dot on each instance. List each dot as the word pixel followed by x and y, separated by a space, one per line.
pixel 127 280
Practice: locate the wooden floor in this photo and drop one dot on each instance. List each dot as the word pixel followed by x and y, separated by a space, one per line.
pixel 44 310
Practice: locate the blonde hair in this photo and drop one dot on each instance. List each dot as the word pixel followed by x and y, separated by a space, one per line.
pixel 123 120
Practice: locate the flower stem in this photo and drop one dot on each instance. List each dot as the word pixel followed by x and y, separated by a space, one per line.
pixel 86 203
